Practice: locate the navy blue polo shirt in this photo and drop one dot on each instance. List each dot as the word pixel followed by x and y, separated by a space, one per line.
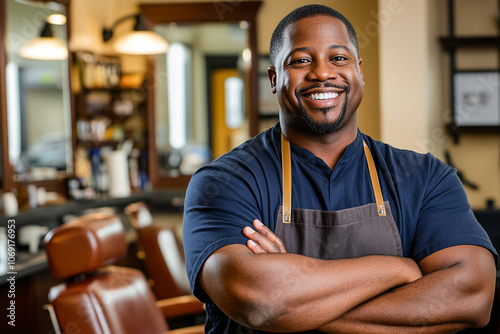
pixel 426 197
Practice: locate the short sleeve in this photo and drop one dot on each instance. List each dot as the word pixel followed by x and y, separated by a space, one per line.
pixel 445 218
pixel 220 202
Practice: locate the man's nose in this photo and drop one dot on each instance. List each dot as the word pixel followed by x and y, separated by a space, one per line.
pixel 322 71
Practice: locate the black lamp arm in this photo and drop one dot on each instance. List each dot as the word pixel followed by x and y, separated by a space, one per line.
pixel 107 33
pixel 46 30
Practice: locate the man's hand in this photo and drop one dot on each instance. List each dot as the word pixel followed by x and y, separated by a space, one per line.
pixel 263 240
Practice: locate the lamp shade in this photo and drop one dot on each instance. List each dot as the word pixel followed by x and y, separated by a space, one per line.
pixel 44 48
pixel 142 42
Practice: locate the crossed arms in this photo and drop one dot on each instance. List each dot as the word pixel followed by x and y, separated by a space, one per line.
pixel 263 287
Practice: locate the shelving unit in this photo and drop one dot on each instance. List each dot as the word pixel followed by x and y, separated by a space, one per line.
pixel 119 107
pixel 452 44
pixel 109 112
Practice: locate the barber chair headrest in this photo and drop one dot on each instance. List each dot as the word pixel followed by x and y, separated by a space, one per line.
pixel 84 244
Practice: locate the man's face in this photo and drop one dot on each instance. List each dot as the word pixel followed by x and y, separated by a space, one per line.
pixel 318 77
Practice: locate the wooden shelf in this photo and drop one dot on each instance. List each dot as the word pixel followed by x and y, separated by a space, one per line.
pixel 474 129
pixel 451 43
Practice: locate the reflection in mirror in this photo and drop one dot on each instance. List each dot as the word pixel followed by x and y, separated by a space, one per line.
pixel 200 94
pixel 38 105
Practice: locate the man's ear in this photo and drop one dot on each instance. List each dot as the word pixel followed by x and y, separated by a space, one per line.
pixel 360 61
pixel 271 73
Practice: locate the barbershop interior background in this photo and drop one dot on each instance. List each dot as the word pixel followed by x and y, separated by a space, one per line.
pixel 432 85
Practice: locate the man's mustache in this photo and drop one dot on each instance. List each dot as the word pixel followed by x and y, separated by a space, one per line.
pixel 323 85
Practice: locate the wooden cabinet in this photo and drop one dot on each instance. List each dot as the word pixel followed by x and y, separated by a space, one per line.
pixel 31 294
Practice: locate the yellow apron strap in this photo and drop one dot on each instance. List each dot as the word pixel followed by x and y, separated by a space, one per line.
pixel 375 183
pixel 286 167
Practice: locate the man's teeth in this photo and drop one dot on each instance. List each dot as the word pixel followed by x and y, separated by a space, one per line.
pixel 323 96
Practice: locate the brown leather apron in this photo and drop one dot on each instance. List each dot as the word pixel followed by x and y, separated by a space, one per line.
pixel 365 230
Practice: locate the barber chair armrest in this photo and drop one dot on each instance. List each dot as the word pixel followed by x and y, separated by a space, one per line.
pixel 179 306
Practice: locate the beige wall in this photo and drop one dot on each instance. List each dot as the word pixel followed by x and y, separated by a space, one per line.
pixel 89 17
pixel 410 75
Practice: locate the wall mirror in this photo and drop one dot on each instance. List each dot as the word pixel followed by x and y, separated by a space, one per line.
pixel 205 87
pixel 200 100
pixel 38 106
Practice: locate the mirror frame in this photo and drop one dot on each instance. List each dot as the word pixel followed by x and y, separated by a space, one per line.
pixel 7 177
pixel 8 182
pixel 200 12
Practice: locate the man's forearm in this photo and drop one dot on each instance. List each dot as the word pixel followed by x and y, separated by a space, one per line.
pixel 360 328
pixel 404 309
pixel 443 301
pixel 288 292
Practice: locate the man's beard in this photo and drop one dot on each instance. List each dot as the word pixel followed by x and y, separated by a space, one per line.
pixel 321 128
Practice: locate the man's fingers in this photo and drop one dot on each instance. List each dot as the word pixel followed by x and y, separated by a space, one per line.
pixel 265 231
pixel 257 243
pixel 250 233
pixel 267 241
pixel 254 247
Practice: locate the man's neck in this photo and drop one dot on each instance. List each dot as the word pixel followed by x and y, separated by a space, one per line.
pixel 329 147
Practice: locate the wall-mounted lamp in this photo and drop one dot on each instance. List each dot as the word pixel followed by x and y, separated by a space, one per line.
pixel 140 41
pixel 45 47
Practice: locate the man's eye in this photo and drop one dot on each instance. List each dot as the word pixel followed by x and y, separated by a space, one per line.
pixel 339 58
pixel 299 61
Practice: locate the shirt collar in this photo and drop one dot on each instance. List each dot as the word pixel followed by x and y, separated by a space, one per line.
pixel 352 151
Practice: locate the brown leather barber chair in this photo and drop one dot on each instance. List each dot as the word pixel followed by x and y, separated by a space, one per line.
pixel 163 253
pixel 99 297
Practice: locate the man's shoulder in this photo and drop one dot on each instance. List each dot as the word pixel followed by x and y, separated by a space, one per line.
pixel 404 161
pixel 394 153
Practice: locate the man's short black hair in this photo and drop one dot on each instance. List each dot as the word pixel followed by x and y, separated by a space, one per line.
pixel 301 13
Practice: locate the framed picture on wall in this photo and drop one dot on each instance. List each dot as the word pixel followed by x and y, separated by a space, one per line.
pixel 476 98
pixel 268 104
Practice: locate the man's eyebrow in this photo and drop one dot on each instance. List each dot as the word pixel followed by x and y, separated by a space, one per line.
pixel 305 48
pixel 340 46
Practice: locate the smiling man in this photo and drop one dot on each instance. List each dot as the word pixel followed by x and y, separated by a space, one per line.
pixel 350 235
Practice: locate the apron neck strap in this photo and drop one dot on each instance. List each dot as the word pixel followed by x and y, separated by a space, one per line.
pixel 286 165
pixel 375 182
pixel 286 168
